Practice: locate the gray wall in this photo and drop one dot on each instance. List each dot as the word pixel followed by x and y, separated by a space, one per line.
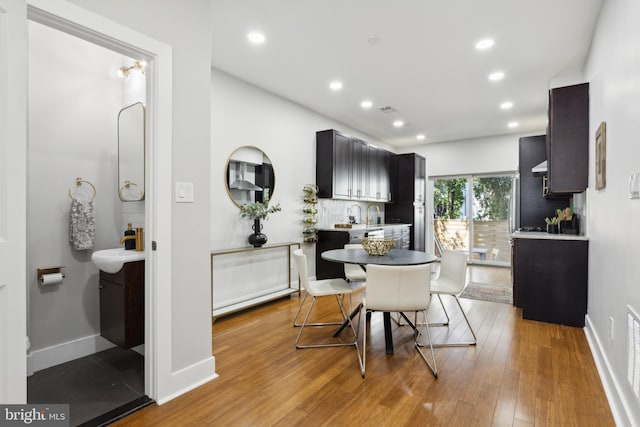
pixel 70 135
pixel 613 70
pixel 188 31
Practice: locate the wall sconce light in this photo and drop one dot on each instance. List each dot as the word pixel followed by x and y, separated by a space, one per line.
pixel 124 71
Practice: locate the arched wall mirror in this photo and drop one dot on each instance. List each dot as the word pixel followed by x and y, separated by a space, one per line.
pixel 131 148
pixel 249 176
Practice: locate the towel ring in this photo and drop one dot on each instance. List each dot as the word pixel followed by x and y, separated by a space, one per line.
pixel 79 182
pixel 127 184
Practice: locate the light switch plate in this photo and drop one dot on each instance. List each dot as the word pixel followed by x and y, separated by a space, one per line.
pixel 634 185
pixel 184 192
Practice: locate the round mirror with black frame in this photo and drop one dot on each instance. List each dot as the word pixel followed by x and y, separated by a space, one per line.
pixel 249 176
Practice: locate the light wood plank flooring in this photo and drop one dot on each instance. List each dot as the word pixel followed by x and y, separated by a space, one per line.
pixel 521 373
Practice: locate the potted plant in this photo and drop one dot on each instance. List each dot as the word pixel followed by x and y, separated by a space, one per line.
pixel 257 211
pixel 552 224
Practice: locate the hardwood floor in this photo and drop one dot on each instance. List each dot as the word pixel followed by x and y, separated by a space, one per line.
pixel 521 373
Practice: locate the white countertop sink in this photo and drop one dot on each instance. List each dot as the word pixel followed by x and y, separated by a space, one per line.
pixel 112 260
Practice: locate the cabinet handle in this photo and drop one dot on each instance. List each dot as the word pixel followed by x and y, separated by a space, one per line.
pixel 100 286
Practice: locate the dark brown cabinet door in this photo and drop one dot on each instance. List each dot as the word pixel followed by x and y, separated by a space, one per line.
pixel 408 191
pixel 568 139
pixel 550 280
pixel 122 305
pixel 349 168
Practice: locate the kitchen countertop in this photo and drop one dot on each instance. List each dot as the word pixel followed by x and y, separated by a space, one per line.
pixel 361 227
pixel 548 236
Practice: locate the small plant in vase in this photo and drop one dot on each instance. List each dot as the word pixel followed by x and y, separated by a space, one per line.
pixel 258 211
pixel 552 224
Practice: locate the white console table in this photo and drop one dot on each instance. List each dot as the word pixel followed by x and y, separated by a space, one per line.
pixel 229 296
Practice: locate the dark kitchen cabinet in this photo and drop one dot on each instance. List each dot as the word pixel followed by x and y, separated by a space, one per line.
pixel 379 169
pixel 408 178
pixel 359 169
pixel 568 140
pixel 122 305
pixel 533 206
pixel 550 279
pixel 328 240
pixel 349 168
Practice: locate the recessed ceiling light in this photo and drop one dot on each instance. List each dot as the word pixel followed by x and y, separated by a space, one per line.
pixel 496 75
pixel 506 105
pixel 420 136
pixel 336 85
pixel 366 104
pixel 513 125
pixel 484 44
pixel 256 37
pixel 398 123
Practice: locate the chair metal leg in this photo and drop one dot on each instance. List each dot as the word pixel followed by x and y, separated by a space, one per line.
pixel 433 367
pixel 346 318
pixel 297 325
pixel 445 313
pixel 457 344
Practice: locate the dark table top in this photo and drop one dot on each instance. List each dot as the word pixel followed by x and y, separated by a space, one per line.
pixel 394 257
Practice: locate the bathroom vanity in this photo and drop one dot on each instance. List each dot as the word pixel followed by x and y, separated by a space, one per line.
pixel 122 305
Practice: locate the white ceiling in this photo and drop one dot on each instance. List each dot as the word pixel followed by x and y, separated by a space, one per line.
pixel 424 63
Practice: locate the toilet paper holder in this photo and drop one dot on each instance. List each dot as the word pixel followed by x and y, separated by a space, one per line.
pixel 49 270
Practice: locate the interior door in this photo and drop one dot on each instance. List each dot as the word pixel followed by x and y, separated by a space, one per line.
pixel 13 190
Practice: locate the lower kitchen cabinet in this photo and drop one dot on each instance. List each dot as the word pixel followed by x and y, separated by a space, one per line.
pixel 550 279
pixel 122 305
pixel 328 240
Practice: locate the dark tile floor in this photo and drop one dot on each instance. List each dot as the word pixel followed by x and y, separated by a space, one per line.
pixel 92 385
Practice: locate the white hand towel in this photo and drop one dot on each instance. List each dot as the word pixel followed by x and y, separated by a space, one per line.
pixel 82 224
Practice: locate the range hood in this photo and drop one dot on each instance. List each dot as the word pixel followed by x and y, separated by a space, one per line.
pixel 539 169
pixel 240 183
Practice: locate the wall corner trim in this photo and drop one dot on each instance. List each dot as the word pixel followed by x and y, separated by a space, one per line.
pixel 190 378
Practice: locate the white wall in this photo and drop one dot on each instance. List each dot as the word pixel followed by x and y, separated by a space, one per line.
pixel 70 135
pixel 242 114
pixel 613 70
pixel 471 156
pixel 187 30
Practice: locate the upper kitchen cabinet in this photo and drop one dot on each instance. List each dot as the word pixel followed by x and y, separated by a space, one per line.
pixel 568 140
pixel 349 168
pixel 379 171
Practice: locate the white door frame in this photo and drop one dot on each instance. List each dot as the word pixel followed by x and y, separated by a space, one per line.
pixel 13 201
pixel 84 24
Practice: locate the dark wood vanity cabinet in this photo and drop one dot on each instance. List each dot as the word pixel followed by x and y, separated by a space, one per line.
pixel 550 280
pixel 568 140
pixel 122 305
pixel 349 168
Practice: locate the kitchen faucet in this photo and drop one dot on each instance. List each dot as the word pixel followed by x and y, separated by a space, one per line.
pixel 359 217
pixel 377 210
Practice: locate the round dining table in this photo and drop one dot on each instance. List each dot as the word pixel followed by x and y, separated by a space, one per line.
pixel 362 258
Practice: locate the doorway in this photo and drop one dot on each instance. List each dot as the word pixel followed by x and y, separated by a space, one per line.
pixel 471 213
pixel 75 96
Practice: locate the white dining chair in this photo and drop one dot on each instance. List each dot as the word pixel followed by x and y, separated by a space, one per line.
pixel 321 288
pixel 353 272
pixel 400 289
pixel 451 281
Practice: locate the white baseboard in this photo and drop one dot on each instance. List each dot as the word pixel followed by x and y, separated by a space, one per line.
pixel 622 414
pixel 189 378
pixel 65 352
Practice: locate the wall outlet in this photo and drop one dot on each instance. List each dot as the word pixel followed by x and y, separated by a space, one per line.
pixel 611 329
